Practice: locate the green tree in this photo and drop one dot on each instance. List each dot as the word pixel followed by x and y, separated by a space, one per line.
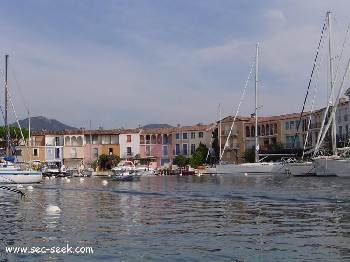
pixel 199 157
pixel 249 155
pixel 108 161
pixel 180 160
pixel 15 132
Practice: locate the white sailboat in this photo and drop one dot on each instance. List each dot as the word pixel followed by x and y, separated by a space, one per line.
pixel 257 167
pixel 9 173
pixel 335 164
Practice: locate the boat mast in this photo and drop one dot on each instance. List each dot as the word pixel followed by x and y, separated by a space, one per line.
pixel 256 106
pixel 334 130
pixel 7 130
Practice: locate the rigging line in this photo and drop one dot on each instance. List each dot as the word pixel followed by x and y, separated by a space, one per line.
pixel 313 100
pixel 308 87
pixel 319 140
pixel 19 88
pixel 337 100
pixel 239 105
pixel 25 105
pixel 14 112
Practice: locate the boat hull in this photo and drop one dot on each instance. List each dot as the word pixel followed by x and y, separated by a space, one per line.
pixel 302 168
pixel 333 166
pixel 249 168
pixel 20 177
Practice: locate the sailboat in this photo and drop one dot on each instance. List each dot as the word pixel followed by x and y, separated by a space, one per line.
pixel 335 164
pixel 9 172
pixel 257 167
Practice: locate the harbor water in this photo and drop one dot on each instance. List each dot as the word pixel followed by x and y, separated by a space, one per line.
pixel 179 218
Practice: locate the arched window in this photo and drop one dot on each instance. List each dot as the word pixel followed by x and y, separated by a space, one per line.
pixel 165 139
pixel 142 139
pixel 80 141
pixel 275 128
pixel 67 141
pixel 159 139
pixel 252 131
pixel 267 129
pixel 153 139
pixel 258 130
pixel 263 130
pixel 247 131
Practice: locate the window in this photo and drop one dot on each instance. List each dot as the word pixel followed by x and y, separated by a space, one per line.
pixel 148 150
pixel 177 149
pixel 57 153
pixel 128 138
pixel 35 152
pixel 165 139
pixel 287 125
pixel 128 151
pixel 291 124
pixel 200 134
pixel 95 152
pixel 165 150
pixel 177 136
pixel 185 149
pixel 73 152
pixel 193 149
pixel 193 135
pixel 110 151
pixel 184 136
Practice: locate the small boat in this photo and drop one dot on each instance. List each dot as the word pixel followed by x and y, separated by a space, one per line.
pixel 126 176
pixel 89 172
pixel 11 174
pixel 123 167
pixel 187 171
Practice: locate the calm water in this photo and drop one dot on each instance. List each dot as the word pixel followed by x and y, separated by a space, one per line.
pixel 173 218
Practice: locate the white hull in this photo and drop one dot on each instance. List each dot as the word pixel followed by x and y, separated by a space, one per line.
pixel 249 168
pixel 20 177
pixel 333 165
pixel 302 168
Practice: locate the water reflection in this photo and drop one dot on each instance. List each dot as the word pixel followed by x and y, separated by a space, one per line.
pixel 164 218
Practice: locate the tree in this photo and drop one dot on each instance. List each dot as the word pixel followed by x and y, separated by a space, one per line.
pixel 108 161
pixel 199 157
pixel 15 132
pixel 180 160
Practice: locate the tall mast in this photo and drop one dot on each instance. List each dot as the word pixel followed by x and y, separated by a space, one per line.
pixel 334 130
pixel 256 105
pixel 7 130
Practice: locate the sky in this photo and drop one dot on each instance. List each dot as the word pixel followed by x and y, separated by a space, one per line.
pixel 129 63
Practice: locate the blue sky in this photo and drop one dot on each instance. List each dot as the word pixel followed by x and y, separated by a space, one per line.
pixel 130 63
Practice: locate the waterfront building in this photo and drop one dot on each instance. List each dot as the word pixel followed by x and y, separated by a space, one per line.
pixel 156 145
pixel 73 150
pixel 100 142
pixel 129 141
pixel 186 139
pixel 33 150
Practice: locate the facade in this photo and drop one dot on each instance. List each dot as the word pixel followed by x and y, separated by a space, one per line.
pixel 54 148
pixel 186 139
pixel 156 145
pixel 73 151
pixel 129 141
pixel 74 148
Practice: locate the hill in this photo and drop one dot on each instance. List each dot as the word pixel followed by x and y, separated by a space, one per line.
pixel 40 122
pixel 150 126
